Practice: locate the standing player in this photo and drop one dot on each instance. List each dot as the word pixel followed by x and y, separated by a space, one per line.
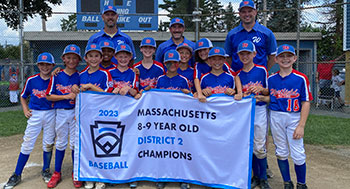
pixel 111 31
pixel 176 28
pixel 60 92
pixel 108 51
pixel 184 69
pixel 217 80
pixel 14 86
pixel 290 105
pixel 254 81
pixel 149 69
pixel 250 29
pixel 41 115
pixel 124 78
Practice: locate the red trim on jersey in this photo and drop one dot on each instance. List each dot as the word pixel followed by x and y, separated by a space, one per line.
pixel 29 78
pixel 50 86
pixel 307 87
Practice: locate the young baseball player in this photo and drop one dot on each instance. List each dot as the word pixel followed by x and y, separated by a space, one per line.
pixel 41 116
pixel 254 81
pixel 124 78
pixel 290 105
pixel 172 80
pixel 184 69
pixel 202 65
pixel 217 80
pixel 337 82
pixel 108 51
pixel 149 69
pixel 14 85
pixel 60 92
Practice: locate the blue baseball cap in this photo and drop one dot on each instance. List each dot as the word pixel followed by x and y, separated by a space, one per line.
pixel 184 45
pixel 203 44
pixel 107 44
pixel 93 47
pixel 246 3
pixel 107 8
pixel 148 41
pixel 246 45
pixel 217 51
pixel 171 55
pixel 123 47
pixel 45 58
pixel 72 48
pixel 177 21
pixel 285 48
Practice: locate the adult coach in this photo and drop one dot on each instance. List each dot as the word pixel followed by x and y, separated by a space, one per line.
pixel 177 28
pixel 250 29
pixel 111 31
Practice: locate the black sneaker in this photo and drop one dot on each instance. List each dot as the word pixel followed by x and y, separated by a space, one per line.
pixel 264 184
pixel 184 185
pixel 288 185
pixel 301 186
pixel 46 175
pixel 255 182
pixel 13 181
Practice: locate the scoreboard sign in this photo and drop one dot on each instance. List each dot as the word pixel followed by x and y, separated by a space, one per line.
pixel 130 14
pixel 346 36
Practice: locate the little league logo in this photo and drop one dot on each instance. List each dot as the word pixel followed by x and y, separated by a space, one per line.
pixel 246 2
pixel 44 57
pixel 107 138
pixel 200 44
pixel 93 46
pixel 171 55
pixel 106 43
pixel 122 46
pixel 148 41
pixel 245 45
pixel 216 50
pixel 72 48
pixel 285 47
pixel 177 20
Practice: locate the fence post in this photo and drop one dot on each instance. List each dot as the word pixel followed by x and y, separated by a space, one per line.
pixel 347 78
pixel 21 41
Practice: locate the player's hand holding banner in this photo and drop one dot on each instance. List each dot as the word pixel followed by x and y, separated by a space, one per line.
pixel 164 137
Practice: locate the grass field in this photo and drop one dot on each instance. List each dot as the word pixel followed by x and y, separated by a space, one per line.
pixel 320 130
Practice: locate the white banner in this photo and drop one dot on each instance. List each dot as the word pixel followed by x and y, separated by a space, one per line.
pixel 164 136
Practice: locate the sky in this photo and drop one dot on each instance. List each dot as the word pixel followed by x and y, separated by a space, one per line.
pixel 10 37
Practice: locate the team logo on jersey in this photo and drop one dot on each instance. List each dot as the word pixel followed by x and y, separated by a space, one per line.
pixel 200 43
pixel 285 93
pixel 39 94
pixel 256 39
pixel 64 89
pixel 218 89
pixel 216 50
pixel 107 138
pixel 120 41
pixel 121 84
pixel 251 84
pixel 148 82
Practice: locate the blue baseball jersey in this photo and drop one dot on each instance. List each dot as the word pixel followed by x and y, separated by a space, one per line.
pixel 35 88
pixel 113 65
pixel 118 38
pixel 100 78
pixel 126 78
pixel 217 84
pixel 170 45
pixel 148 77
pixel 177 82
pixel 201 68
pixel 62 85
pixel 257 76
pixel 262 37
pixel 287 93
pixel 188 73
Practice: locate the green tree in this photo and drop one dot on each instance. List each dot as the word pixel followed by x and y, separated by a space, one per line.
pixel 230 20
pixel 8 10
pixel 214 22
pixel 69 24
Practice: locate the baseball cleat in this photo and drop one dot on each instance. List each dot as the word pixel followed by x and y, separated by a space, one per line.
pixel 264 184
pixel 288 185
pixel 55 179
pixel 46 175
pixel 301 186
pixel 255 182
pixel 13 181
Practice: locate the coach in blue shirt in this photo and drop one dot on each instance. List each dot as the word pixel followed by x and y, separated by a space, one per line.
pixel 250 29
pixel 177 28
pixel 111 31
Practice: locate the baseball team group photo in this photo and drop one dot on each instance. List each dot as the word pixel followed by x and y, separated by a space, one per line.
pixel 176 94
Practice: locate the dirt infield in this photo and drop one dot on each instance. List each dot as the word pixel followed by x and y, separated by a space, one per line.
pixel 327 167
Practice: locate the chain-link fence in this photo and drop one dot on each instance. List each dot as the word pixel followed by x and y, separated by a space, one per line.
pixel 314 28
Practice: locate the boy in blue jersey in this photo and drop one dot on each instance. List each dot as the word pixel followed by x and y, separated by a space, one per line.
pixel 124 78
pixel 254 81
pixel 172 80
pixel 60 92
pixel 149 69
pixel 184 69
pixel 289 108
pixel 41 116
pixel 108 51
pixel 217 80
